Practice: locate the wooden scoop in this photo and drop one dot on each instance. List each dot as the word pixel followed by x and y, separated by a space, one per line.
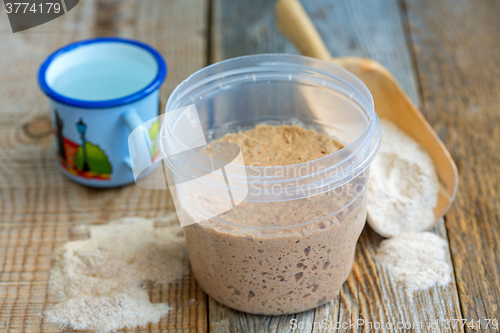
pixel 390 100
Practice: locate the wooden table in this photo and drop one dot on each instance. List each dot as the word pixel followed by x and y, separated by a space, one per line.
pixel 444 53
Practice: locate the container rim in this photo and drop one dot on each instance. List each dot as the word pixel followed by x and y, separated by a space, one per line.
pixel 342 166
pixel 141 93
pixel 186 87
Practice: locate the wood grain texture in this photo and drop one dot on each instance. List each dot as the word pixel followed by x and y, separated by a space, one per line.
pixel 457 47
pixel 38 205
pixel 349 28
pixel 243 27
pixel 362 28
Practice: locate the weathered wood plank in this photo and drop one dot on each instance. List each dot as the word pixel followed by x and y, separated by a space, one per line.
pixel 457 46
pixel 38 205
pixel 372 29
pixel 358 28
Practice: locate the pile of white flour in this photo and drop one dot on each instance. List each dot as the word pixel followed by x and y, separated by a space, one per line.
pixel 403 184
pixel 416 260
pixel 99 282
pixel 402 195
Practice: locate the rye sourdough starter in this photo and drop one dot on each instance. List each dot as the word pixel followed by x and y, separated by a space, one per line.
pixel 296 265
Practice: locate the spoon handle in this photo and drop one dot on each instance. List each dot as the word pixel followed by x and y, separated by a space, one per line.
pixel 294 23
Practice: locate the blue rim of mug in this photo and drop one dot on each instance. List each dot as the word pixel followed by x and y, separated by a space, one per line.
pixel 151 87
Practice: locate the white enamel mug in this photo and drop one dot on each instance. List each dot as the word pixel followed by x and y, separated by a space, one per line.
pixel 100 90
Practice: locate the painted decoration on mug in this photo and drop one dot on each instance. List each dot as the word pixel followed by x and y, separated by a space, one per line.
pixel 153 138
pixel 83 159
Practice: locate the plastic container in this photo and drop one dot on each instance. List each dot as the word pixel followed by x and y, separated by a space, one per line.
pixel 287 244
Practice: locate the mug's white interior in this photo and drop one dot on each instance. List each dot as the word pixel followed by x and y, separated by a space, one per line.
pixel 102 71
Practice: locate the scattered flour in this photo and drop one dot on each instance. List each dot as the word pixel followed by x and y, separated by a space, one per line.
pixel 100 282
pixel 416 260
pixel 403 184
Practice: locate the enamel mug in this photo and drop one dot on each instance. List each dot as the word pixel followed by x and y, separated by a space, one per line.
pixel 100 90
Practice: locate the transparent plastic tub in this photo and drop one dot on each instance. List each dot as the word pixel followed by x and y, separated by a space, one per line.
pixel 287 245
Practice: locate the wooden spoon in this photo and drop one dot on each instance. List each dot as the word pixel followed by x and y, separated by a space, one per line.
pixel 390 100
